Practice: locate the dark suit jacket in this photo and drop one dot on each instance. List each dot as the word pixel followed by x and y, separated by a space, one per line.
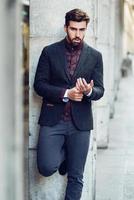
pixel 52 78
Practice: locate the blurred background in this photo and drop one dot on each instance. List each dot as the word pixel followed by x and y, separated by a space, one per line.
pixel 109 171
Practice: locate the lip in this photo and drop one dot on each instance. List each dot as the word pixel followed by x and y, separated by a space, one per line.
pixel 76 40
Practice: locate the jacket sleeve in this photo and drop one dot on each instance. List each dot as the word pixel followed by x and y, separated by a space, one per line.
pixel 42 84
pixel 97 77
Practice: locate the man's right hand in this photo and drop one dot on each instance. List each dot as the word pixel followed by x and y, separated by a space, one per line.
pixel 74 94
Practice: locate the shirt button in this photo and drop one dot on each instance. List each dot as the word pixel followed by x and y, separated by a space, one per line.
pixel 66 114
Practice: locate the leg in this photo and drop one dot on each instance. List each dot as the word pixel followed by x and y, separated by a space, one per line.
pixel 50 149
pixel 77 148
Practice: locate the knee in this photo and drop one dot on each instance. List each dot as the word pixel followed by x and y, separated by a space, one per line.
pixel 46 170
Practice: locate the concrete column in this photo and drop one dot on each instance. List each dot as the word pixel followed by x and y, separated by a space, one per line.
pixel 46 24
pixel 128 40
pixel 111 65
pixel 104 8
pixel 128 36
pixel 11 140
pixel 109 42
pixel 118 41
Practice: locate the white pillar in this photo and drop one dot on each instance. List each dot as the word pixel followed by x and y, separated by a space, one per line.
pixel 103 32
pixel 109 42
pixel 11 121
pixel 118 41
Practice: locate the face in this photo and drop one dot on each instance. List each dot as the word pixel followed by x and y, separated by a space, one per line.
pixel 75 32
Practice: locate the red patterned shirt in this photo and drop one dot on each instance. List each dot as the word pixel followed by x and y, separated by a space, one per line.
pixel 72 56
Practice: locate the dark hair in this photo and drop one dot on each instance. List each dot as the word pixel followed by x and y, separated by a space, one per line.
pixel 76 15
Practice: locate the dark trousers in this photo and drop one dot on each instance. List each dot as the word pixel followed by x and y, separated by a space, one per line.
pixel 60 142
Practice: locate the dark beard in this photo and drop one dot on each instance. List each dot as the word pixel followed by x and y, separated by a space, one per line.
pixel 73 43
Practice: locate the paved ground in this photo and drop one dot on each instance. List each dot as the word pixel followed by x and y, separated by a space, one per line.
pixel 115 165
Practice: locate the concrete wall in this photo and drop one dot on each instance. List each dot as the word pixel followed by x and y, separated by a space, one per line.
pixel 11 137
pixel 104 33
pixel 46 26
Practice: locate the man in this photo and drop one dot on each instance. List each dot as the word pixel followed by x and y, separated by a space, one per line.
pixel 69 76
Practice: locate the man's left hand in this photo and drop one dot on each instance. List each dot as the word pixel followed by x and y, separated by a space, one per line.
pixel 83 86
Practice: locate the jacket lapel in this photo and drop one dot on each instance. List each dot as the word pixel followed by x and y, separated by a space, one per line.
pixel 63 59
pixel 83 56
pixel 80 67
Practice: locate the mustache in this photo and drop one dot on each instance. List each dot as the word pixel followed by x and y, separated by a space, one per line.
pixel 77 38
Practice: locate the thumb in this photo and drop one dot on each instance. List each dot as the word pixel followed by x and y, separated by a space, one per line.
pixel 92 83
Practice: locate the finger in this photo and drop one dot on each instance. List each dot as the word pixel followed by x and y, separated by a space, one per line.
pixel 82 86
pixel 77 86
pixel 78 95
pixel 92 83
pixel 78 99
pixel 85 83
pixel 79 82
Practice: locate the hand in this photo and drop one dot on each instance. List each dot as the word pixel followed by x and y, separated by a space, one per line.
pixel 74 94
pixel 84 87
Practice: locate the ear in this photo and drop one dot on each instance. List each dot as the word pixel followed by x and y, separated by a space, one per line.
pixel 65 28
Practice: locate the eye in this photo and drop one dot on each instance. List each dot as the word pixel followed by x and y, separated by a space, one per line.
pixel 72 29
pixel 82 29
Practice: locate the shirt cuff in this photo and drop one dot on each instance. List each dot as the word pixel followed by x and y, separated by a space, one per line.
pixel 89 94
pixel 65 98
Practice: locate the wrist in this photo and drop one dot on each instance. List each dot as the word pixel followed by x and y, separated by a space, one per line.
pixel 65 98
pixel 88 93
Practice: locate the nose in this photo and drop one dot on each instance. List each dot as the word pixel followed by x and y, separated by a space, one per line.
pixel 77 33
